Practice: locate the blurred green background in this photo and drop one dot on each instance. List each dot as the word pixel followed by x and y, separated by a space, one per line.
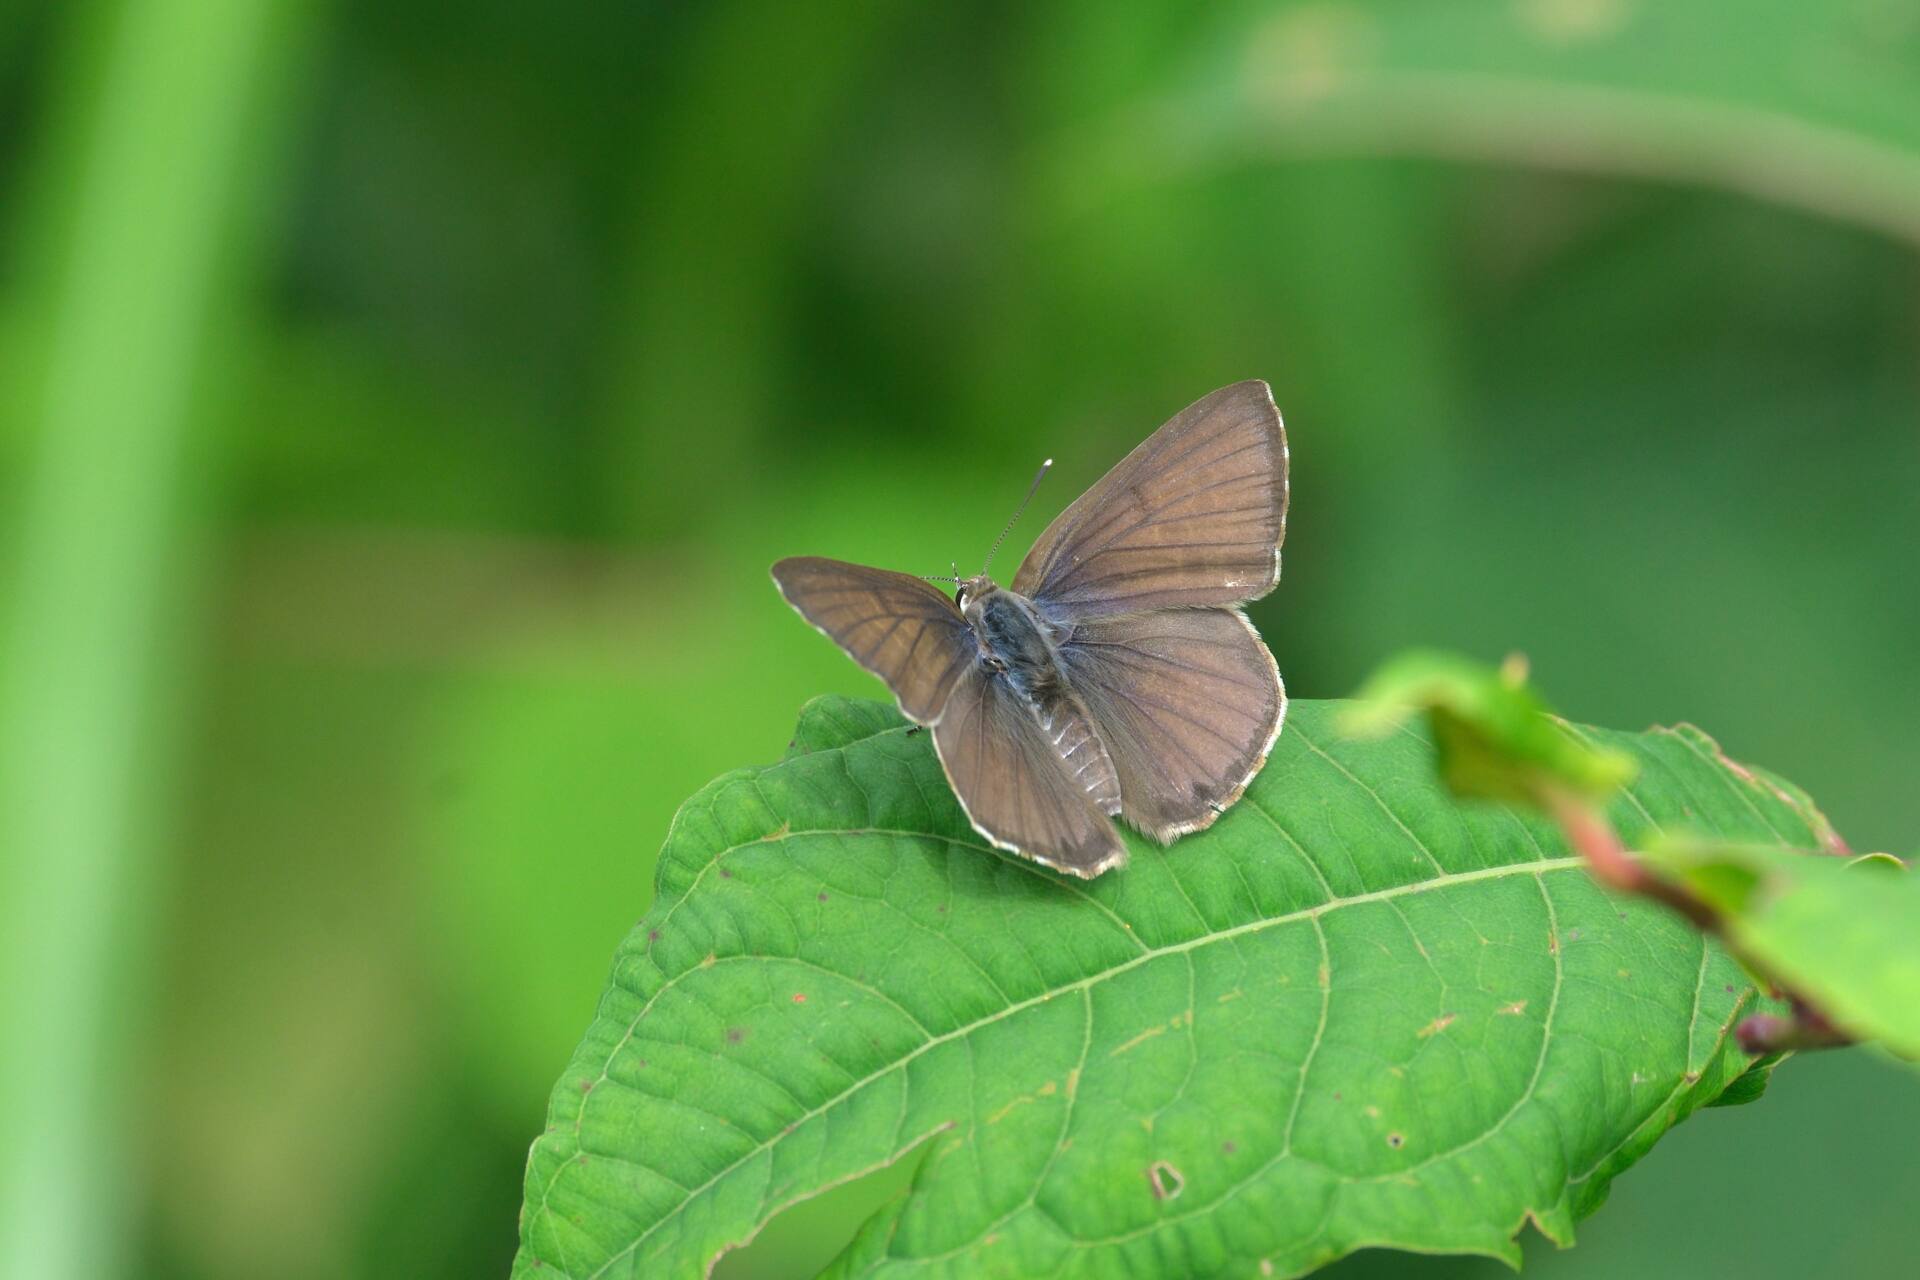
pixel 400 404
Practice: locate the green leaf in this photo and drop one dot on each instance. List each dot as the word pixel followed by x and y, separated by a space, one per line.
pixel 827 722
pixel 1842 934
pixel 1352 1013
pixel 1496 739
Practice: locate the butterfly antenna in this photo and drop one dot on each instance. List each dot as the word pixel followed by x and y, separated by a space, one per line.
pixel 941 577
pixel 995 550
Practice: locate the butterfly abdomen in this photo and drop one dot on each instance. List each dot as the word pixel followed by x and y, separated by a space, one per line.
pixel 1015 644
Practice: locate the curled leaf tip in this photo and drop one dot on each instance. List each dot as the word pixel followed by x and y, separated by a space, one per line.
pixel 1495 738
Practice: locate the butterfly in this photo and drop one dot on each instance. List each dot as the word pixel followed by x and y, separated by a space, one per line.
pixel 1117 674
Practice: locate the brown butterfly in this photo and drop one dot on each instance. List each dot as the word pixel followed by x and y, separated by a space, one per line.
pixel 1117 675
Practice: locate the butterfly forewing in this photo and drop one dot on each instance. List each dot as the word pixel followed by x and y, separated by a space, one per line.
pixel 1017 789
pixel 1194 516
pixel 902 629
pixel 1187 702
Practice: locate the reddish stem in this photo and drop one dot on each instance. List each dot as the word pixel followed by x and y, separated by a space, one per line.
pixel 1593 838
pixel 1768 1033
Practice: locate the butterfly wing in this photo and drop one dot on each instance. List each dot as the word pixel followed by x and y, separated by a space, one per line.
pixel 902 629
pixel 1194 516
pixel 1187 702
pixel 1039 785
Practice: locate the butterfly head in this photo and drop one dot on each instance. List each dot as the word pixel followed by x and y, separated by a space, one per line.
pixel 970 592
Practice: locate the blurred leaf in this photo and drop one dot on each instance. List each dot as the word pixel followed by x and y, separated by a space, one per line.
pixel 1843 935
pixel 1350 1013
pixel 1495 738
pixel 1811 105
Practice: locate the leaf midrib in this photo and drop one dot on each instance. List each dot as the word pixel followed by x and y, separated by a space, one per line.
pixel 1314 912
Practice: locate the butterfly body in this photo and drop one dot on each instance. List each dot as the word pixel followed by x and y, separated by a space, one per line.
pixel 1116 676
pixel 1015 640
pixel 1018 646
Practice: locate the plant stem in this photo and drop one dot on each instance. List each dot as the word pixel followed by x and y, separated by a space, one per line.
pixel 1806 1029
pixel 1591 836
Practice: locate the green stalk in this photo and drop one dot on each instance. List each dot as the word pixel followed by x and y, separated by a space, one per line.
pixel 146 224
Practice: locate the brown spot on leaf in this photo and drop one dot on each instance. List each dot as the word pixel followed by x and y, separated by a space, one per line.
pixel 1144 1036
pixel 1438 1025
pixel 708 962
pixel 1395 1141
pixel 1234 994
pixel 1165 1180
pixel 586 1086
pixel 736 1034
pixel 799 998
pixel 1515 1009
pixel 725 874
pixel 653 935
pixel 1228 1147
pixel 1003 1112
pixel 823 897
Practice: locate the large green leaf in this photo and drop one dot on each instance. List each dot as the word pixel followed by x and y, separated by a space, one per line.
pixel 1353 1013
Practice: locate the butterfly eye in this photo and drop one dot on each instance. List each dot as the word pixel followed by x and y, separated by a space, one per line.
pixel 960 598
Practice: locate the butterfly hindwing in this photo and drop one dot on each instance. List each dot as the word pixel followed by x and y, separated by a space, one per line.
pixel 1037 784
pixel 1187 702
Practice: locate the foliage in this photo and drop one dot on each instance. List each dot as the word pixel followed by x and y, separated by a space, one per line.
pixel 1841 934
pixel 520 342
pixel 1351 1013
pixel 1845 949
